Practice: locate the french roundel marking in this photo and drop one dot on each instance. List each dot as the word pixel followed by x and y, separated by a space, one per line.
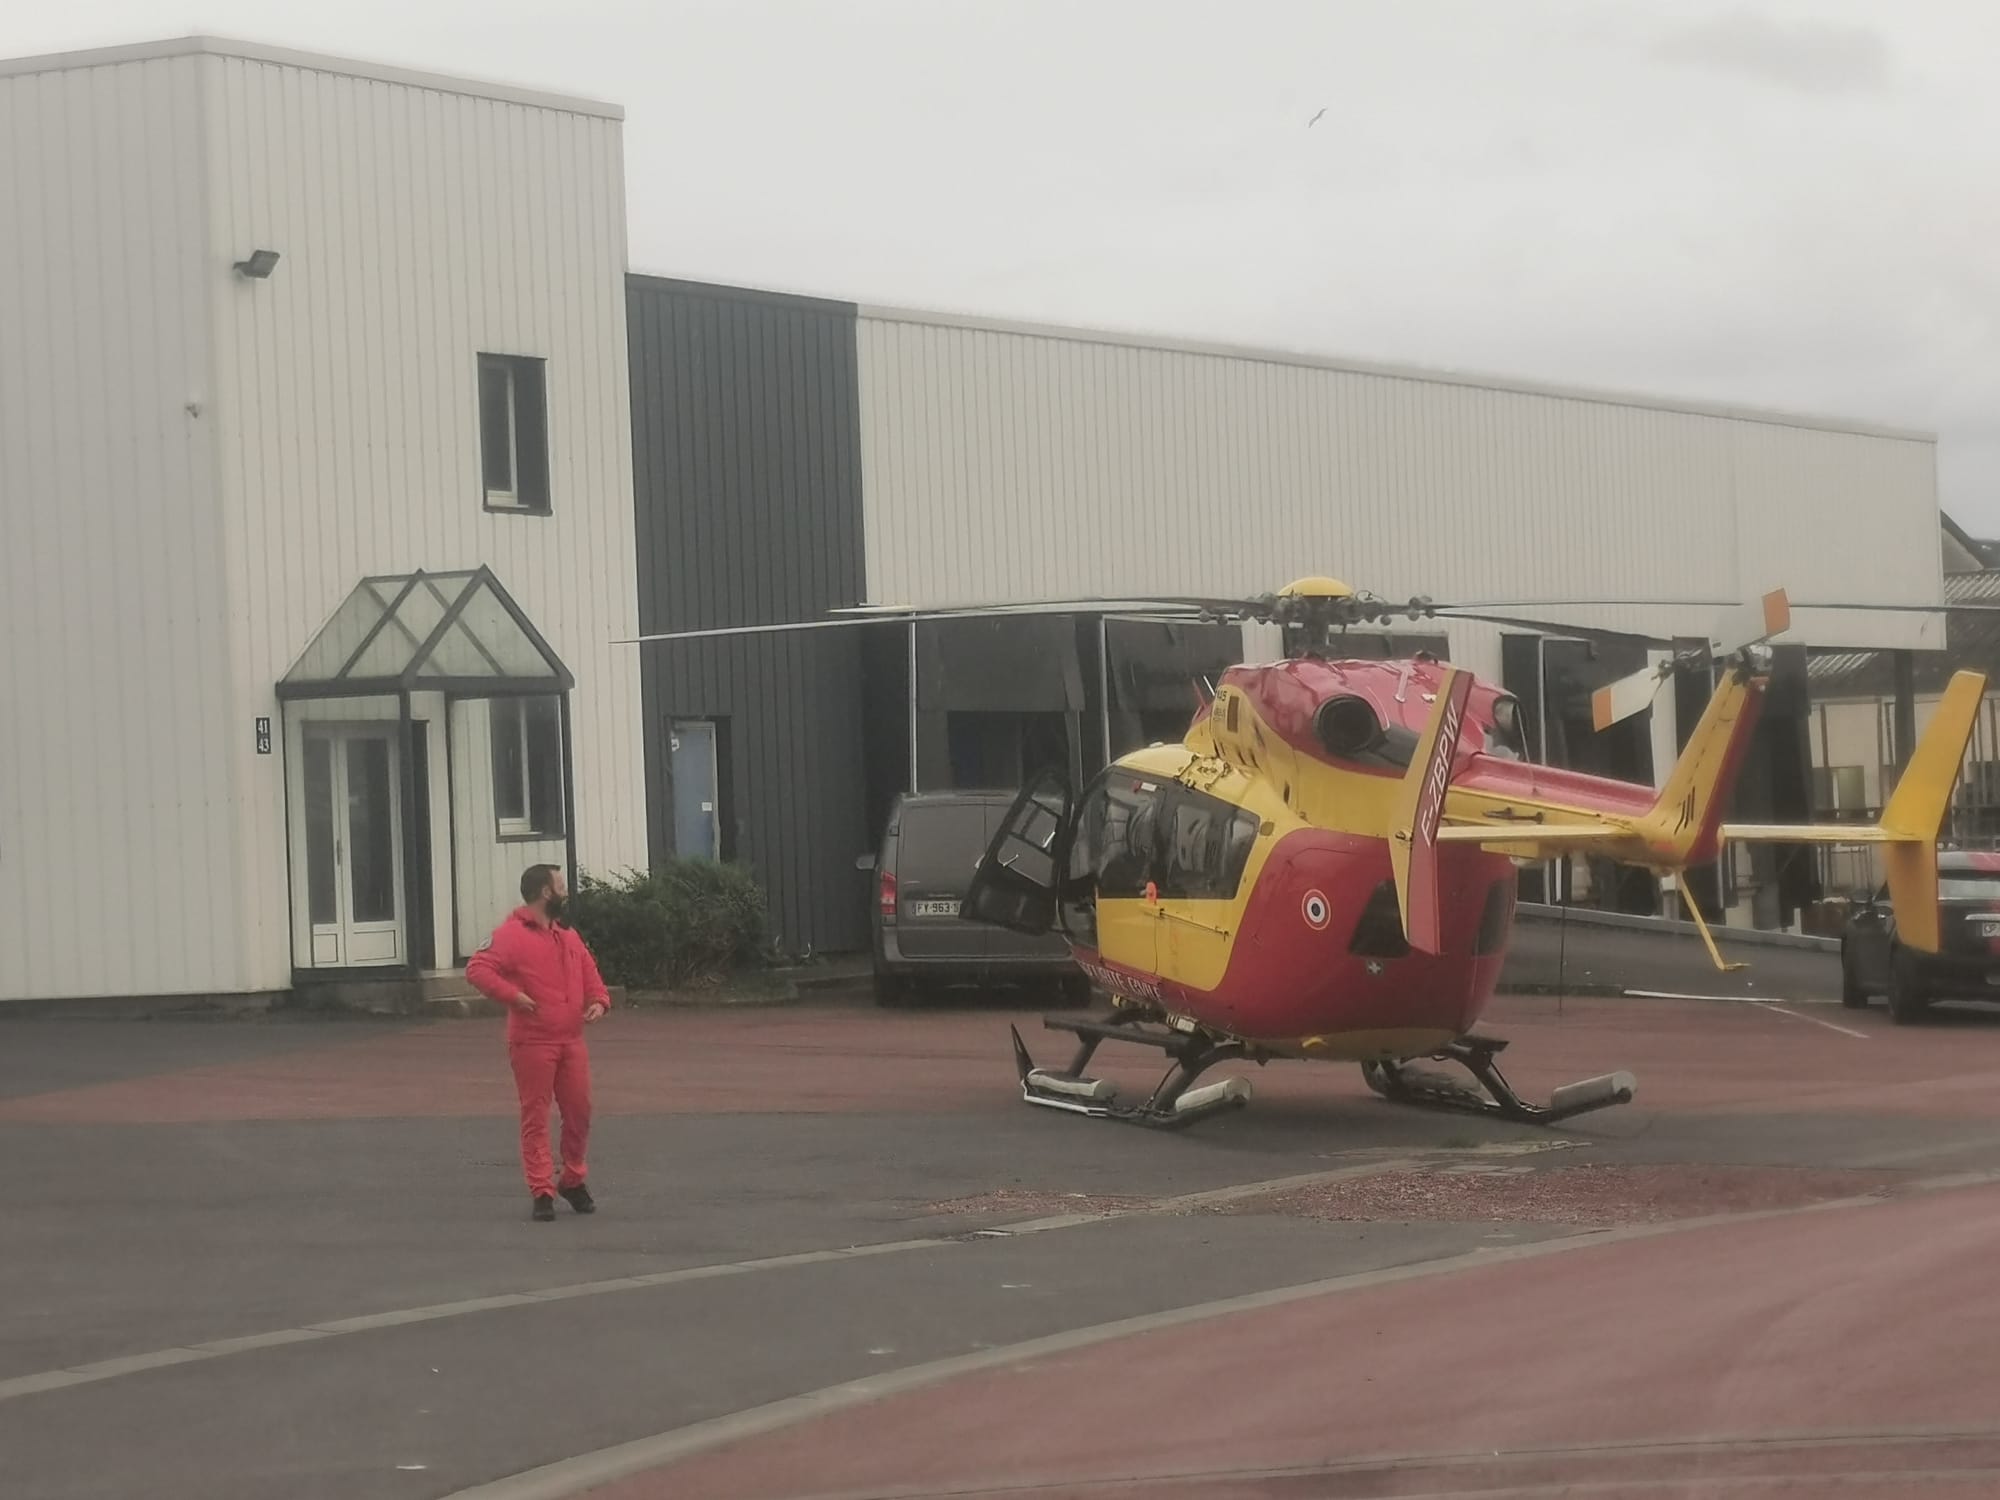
pixel 1316 911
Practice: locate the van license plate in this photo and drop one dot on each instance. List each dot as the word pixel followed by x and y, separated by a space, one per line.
pixel 933 908
pixel 1990 927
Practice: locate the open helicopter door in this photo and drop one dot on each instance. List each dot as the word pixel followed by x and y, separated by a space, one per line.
pixel 1015 883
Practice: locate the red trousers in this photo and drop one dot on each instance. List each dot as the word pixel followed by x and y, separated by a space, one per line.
pixel 558 1070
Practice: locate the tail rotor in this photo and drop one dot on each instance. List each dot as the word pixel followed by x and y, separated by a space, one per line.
pixel 1736 631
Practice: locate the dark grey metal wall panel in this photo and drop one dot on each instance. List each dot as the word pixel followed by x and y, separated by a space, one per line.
pixel 747 478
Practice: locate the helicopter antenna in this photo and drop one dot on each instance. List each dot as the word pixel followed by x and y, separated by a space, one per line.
pixel 1562 941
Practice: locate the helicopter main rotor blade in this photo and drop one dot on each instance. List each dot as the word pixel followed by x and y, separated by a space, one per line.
pixel 890 615
pixel 1516 605
pixel 1913 609
pixel 717 632
pixel 1522 614
pixel 1360 611
pixel 1600 633
pixel 1091 604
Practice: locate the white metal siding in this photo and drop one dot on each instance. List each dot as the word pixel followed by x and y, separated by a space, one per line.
pixel 489 867
pixel 194 469
pixel 121 746
pixel 418 228
pixel 1004 463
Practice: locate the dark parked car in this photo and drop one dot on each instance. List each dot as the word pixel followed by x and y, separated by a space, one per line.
pixel 933 843
pixel 1967 963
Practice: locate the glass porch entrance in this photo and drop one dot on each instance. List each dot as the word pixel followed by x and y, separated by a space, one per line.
pixel 427 746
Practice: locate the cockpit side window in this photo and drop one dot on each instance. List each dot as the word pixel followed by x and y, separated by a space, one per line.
pixel 1132 832
pixel 1208 847
pixel 1115 849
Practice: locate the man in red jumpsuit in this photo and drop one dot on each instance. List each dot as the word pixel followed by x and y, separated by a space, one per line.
pixel 542 972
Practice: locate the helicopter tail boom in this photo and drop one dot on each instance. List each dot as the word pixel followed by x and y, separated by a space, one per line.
pixel 1679 826
pixel 1684 825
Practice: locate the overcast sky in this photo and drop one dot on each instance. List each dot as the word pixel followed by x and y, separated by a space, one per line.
pixel 1792 204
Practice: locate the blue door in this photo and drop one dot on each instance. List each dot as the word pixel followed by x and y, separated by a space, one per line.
pixel 697 825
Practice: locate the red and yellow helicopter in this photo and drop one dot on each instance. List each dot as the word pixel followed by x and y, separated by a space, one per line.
pixel 1324 867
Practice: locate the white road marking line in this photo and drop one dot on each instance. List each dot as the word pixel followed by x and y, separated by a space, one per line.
pixel 106 1369
pixel 1734 999
pixel 1762 1002
pixel 575 1476
pixel 130 1364
pixel 1799 1015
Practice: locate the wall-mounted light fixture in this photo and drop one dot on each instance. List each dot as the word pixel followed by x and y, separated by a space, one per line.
pixel 260 265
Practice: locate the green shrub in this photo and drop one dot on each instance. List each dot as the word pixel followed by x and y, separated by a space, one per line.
pixel 691 921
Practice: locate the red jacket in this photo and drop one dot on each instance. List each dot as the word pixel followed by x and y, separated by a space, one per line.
pixel 550 965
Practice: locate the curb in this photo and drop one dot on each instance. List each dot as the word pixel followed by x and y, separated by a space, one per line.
pixel 278 1010
pixel 1749 937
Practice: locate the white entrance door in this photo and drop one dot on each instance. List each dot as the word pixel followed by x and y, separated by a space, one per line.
pixel 354 846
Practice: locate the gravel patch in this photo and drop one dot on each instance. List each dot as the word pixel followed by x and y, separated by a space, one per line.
pixel 1035 1203
pixel 1584 1195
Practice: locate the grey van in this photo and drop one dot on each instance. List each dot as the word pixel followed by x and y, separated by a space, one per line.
pixel 933 843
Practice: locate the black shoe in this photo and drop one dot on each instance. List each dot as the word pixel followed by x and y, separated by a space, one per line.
pixel 579 1199
pixel 545 1209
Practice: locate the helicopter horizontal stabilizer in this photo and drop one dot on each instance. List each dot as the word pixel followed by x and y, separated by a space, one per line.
pixel 1912 821
pixel 1419 809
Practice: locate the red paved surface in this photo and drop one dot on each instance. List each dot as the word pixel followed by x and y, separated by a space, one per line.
pixel 1857 1321
pixel 1687 1055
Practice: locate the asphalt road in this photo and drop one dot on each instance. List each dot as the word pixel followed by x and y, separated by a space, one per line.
pixel 294 1259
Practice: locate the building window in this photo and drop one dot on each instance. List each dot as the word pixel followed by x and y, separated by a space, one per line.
pixel 1004 747
pixel 1980 785
pixel 514 433
pixel 1839 789
pixel 527 768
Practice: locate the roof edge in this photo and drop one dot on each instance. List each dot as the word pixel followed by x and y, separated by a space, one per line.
pixel 715 291
pixel 1422 374
pixel 213 46
pixel 1979 547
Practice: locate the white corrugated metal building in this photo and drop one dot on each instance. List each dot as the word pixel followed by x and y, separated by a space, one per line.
pixel 1003 460
pixel 999 461
pixel 198 464
pixel 207 456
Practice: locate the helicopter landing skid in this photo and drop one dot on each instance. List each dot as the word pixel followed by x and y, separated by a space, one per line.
pixel 1174 1101
pixel 1404 1084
